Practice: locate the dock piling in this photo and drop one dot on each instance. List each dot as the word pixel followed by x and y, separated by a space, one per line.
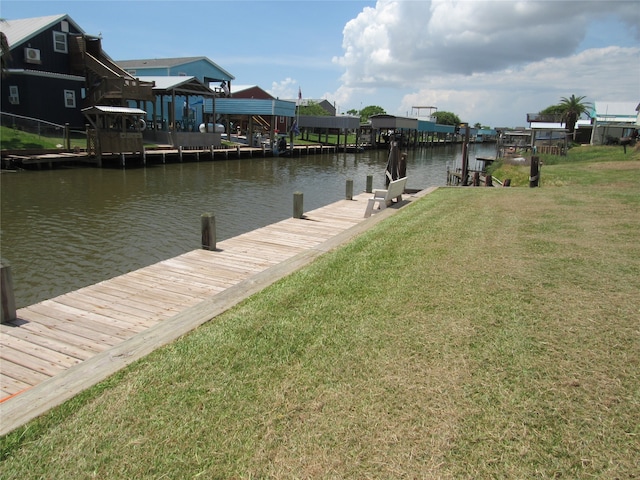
pixel 208 227
pixel 369 188
pixel 349 190
pixel 6 290
pixel 298 205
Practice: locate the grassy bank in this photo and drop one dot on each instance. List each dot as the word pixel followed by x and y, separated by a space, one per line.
pixel 477 333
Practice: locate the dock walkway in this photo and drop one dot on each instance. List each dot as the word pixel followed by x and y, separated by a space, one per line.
pixel 61 346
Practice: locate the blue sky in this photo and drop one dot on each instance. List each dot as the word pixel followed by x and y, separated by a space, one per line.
pixel 487 61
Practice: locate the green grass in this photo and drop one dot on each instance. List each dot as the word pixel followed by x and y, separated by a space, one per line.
pixel 14 139
pixel 477 333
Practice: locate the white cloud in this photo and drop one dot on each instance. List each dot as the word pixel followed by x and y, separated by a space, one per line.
pixel 488 60
pixel 287 88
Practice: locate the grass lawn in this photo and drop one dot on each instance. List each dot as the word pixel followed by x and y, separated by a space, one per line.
pixel 476 333
pixel 13 139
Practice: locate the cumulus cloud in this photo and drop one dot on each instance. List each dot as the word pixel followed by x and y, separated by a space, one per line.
pixel 473 54
pixel 287 88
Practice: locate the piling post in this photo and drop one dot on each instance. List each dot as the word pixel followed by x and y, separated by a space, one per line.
pixel 534 176
pixel 349 190
pixel 6 290
pixel 297 205
pixel 211 151
pixel 488 182
pixel 369 188
pixel 67 137
pixel 144 156
pixel 180 153
pixel 208 228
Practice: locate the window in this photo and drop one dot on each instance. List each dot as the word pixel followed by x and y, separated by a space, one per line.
pixel 14 97
pixel 70 99
pixel 60 42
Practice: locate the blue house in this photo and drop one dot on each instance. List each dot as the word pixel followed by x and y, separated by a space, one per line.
pixel 189 111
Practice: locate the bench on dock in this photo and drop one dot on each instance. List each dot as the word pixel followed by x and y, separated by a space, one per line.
pixel 385 197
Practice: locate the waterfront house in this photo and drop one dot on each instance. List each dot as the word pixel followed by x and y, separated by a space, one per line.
pixel 54 70
pixel 39 80
pixel 612 120
pixel 187 113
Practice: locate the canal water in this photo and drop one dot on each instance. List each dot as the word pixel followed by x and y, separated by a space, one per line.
pixel 66 228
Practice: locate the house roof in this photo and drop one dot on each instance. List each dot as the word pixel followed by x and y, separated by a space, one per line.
pixel 96 109
pixel 21 30
pixel 141 64
pixel 615 111
pixel 180 84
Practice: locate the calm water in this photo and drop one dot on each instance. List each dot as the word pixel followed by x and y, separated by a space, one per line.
pixel 67 228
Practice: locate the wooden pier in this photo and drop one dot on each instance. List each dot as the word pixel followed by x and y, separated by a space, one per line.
pixel 61 346
pixel 153 156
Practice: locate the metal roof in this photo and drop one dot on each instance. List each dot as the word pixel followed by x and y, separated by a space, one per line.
pixel 21 30
pixel 393 122
pixel 250 106
pixel 328 121
pixel 618 112
pixel 141 64
pixel 113 110
pixel 180 84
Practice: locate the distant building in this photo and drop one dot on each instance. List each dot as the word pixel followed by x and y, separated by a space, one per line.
pixel 325 104
pixel 613 120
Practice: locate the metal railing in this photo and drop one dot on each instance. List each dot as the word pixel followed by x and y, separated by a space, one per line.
pixel 41 128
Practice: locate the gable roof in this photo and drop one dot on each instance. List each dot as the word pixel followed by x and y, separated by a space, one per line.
pixel 22 30
pixel 141 64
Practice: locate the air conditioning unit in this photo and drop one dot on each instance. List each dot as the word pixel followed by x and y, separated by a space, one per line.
pixel 31 55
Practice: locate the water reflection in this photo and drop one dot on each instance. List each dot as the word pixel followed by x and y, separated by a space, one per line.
pixel 67 228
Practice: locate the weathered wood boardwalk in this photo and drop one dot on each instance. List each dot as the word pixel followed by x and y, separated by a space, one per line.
pixel 58 347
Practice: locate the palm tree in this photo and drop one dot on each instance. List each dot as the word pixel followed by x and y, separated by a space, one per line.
pixel 572 108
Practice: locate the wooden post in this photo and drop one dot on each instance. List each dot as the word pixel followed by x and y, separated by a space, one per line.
pixel 298 205
pixel 369 184
pixel 465 155
pixel 208 227
pixel 6 290
pixel 534 176
pixel 180 153
pixel 476 179
pixel 349 190
pixel 67 137
pixel 488 182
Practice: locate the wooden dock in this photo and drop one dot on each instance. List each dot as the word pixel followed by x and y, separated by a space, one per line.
pixel 61 346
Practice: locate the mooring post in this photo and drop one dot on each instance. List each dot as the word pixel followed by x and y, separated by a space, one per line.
pixel 534 176
pixel 297 205
pixel 67 137
pixel 6 290
pixel 369 188
pixel 208 227
pixel 180 153
pixel 349 190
